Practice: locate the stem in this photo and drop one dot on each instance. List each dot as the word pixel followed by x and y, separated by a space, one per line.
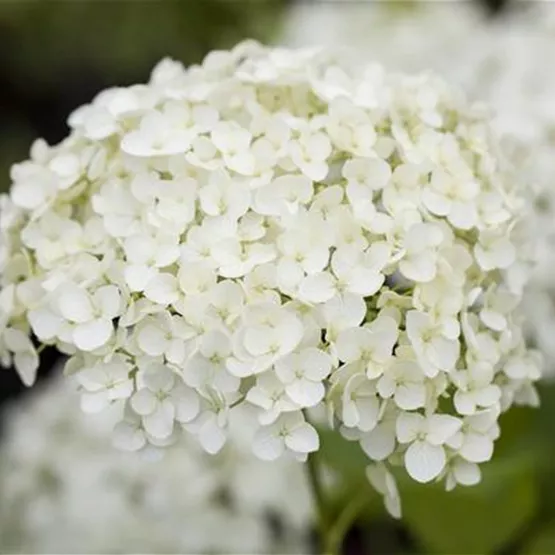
pixel 317 488
pixel 331 532
pixel 342 525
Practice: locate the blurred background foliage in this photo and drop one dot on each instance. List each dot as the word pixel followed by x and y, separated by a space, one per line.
pixel 58 55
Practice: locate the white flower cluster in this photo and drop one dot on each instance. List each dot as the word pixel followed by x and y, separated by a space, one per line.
pixel 501 61
pixel 65 489
pixel 283 229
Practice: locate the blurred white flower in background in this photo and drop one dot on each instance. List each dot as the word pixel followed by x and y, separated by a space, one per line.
pixel 278 230
pixel 65 489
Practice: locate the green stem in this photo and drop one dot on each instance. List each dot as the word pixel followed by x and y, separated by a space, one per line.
pixel 317 488
pixel 343 523
pixel 331 531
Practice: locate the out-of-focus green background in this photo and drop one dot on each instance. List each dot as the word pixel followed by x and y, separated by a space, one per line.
pixel 55 55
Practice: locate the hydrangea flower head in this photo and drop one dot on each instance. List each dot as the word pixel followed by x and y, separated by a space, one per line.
pixel 286 230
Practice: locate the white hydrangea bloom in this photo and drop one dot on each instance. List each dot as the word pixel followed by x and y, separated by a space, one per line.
pixel 282 230
pixel 66 490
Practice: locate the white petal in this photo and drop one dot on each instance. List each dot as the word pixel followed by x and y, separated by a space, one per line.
pixel 488 396
pixel 75 305
pixel 365 282
pixel 152 340
pixel 441 427
pixel 368 411
pixel 268 446
pixel 26 363
pixel 187 405
pixel 384 483
pixel 303 439
pixel 17 341
pixel 464 402
pixel 424 462
pixel 476 448
pixel 408 426
pixel 108 300
pixel 317 288
pixel 436 203
pixel 128 437
pixel 212 437
pixel 444 353
pixel 92 335
pixel 410 396
pixel 137 276
pixel 159 424
pixel 466 473
pixel 379 443
pixel 44 323
pixel 420 268
pixel 305 392
pixel 316 364
pixel 162 289
pixel 144 402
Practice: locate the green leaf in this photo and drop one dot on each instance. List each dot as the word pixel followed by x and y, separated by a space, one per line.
pixel 479 519
pixel 345 457
pixel 347 463
pixel 543 542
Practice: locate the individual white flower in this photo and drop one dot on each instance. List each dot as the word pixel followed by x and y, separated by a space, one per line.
pixel 222 196
pixel 88 318
pixel 233 142
pixel 350 128
pixel 425 458
pixel 164 335
pixel 163 400
pixel 207 367
pixel 359 402
pixel 342 312
pixel 145 254
pixel 421 258
pixel 290 433
pixel 494 251
pixel 435 352
pixel 303 374
pixel 284 194
pixel 452 196
pixel 309 153
pixel 475 388
pixel 404 381
pixel 462 472
pixel 474 440
pixel 105 382
pixel 269 332
pixel 157 135
pixel 269 394
pixel 211 423
pixel 369 347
